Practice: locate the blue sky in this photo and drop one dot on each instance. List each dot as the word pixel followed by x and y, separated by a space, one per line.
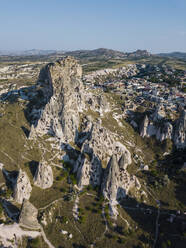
pixel 127 25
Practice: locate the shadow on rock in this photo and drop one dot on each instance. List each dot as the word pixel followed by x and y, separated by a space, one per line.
pixel 11 210
pixel 33 166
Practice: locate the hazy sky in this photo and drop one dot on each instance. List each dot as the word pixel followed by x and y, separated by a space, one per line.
pixel 127 25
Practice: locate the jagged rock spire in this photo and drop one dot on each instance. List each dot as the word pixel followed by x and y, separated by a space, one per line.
pixel 117 181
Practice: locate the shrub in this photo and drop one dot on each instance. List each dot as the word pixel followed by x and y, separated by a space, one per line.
pixel 73 179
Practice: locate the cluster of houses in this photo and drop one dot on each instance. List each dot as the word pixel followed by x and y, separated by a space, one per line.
pixel 133 84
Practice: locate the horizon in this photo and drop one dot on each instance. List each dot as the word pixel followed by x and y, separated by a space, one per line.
pixel 61 50
pixel 155 26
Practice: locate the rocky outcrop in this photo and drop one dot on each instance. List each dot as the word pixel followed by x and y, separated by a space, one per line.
pixel 28 216
pixel 89 172
pixel 97 145
pixel 22 188
pixel 97 103
pixel 180 131
pixel 164 132
pixel 61 85
pixel 44 176
pixel 64 99
pixel 159 113
pixel 125 160
pixel 144 126
pixel 156 125
pixel 117 181
pixel 96 139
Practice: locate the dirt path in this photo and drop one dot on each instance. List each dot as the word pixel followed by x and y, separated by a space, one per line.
pixel 45 238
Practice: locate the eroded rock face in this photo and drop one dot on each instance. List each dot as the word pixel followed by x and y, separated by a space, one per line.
pixel 44 176
pixel 159 113
pixel 63 99
pixel 125 160
pixel 117 181
pixel 111 179
pixel 97 103
pixel 162 129
pixel 101 142
pixel 28 215
pixel 144 126
pixel 89 172
pixel 22 188
pixel 180 131
pixel 63 90
pixel 165 131
pixel 97 144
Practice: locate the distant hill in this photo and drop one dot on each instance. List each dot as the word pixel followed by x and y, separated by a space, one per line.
pixel 101 53
pixel 32 52
pixel 178 55
pixel 107 53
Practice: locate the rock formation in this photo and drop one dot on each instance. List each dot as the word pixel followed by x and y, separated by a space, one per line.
pixel 180 131
pixel 144 126
pixel 61 85
pixel 156 125
pixel 44 176
pixel 28 215
pixel 96 139
pixel 61 116
pixel 64 98
pixel 89 172
pixel 165 131
pixel 98 144
pixel 22 188
pixel 159 113
pixel 117 181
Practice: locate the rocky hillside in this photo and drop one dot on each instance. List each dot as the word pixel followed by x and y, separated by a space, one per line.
pixel 75 173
